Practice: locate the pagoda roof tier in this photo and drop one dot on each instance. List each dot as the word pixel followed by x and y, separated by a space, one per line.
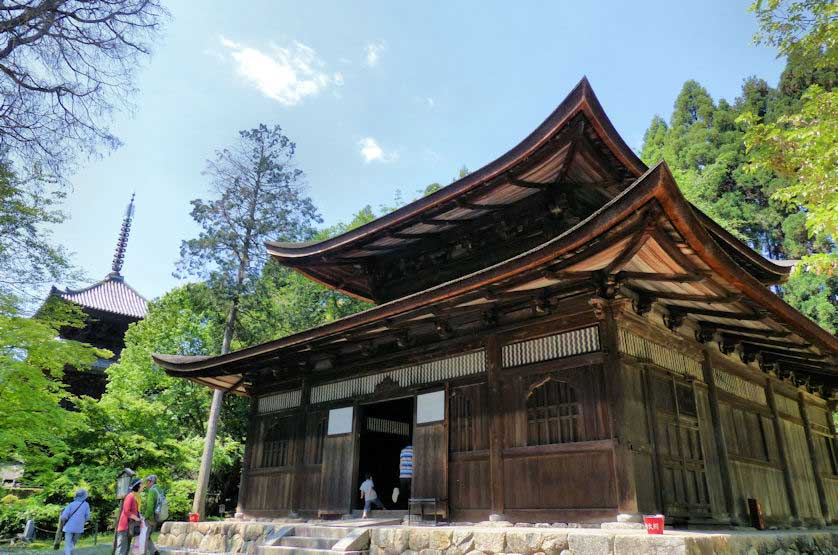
pixel 570 166
pixel 111 295
pixel 647 245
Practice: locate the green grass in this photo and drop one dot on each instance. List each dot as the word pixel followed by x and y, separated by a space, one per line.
pixel 42 546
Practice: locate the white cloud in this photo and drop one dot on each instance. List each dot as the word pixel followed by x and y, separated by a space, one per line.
pixel 371 151
pixel 285 74
pixel 373 52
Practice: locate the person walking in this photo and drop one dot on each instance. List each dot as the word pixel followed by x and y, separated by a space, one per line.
pixel 73 518
pixel 405 471
pixel 369 495
pixel 130 515
pixel 149 511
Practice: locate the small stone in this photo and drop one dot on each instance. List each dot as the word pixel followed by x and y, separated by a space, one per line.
pixel 490 542
pixel 430 552
pixel 460 536
pixel 542 525
pixel 565 552
pixel 193 539
pixel 553 543
pixel 440 539
pixel 584 544
pixel 523 525
pixel 523 542
pixel 214 543
pixel 253 532
pixel 419 539
pixel 559 525
pixel 165 529
pixel 236 544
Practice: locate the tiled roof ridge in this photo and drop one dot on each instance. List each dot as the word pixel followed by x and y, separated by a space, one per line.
pixel 112 294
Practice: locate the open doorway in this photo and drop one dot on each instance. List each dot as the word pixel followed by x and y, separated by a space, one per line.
pixel 386 429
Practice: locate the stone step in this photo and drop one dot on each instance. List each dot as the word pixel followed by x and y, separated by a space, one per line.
pixel 314 531
pixel 387 513
pixel 307 541
pixel 285 550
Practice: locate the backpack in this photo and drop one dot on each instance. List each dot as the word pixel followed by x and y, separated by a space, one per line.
pixel 161 508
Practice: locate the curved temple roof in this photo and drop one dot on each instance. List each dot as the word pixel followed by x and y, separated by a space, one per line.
pixel 111 295
pixel 576 149
pixel 704 282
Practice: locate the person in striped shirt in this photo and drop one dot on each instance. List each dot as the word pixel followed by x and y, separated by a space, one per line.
pixel 405 470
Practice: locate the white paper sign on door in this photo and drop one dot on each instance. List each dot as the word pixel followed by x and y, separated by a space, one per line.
pixel 430 407
pixel 340 421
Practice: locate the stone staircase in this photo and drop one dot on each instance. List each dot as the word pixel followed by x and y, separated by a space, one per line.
pixel 311 539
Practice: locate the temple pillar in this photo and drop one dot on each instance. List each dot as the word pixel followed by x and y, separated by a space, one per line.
pixel 494 364
pixel 813 456
pixel 719 438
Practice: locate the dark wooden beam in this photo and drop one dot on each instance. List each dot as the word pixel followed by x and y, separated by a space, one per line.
pixel 672 250
pixel 473 206
pixel 657 276
pixel 763 342
pixel 715 313
pixel 421 235
pixel 666 295
pixel 742 329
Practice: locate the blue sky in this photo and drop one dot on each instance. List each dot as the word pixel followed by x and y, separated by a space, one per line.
pixel 380 97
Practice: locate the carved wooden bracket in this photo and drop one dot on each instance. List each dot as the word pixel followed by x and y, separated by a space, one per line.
pixel 674 319
pixel 745 355
pixel 726 345
pixel 443 329
pixel 642 304
pixel 704 334
pixel 403 339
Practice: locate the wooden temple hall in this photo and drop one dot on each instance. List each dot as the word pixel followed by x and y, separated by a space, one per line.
pixel 561 336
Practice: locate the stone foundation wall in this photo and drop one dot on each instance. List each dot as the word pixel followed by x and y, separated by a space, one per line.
pixel 215 537
pixel 555 541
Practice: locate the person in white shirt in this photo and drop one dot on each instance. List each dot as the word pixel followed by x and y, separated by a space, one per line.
pixel 369 495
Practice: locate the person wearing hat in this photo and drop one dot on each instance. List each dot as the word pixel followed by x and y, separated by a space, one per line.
pixel 130 512
pixel 148 510
pixel 73 518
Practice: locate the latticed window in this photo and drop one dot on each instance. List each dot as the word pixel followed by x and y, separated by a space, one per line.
pixel 276 442
pixel 554 414
pixel 467 427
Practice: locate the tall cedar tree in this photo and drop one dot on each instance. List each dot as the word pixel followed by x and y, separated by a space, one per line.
pixel 705 145
pixel 260 197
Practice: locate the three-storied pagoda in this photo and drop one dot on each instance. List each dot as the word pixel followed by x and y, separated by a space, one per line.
pixel 110 306
pixel 562 337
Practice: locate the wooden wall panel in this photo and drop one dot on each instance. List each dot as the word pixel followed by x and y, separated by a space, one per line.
pixel 269 491
pixel 430 457
pixel 469 486
pixel 803 477
pixel 582 480
pixel 831 487
pixel 752 480
pixel 309 483
pixel 337 484
pixel 711 455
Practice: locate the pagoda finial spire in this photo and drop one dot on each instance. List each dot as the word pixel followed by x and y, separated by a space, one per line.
pixel 122 243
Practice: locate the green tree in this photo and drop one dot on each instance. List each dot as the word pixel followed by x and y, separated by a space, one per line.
pixel 259 198
pixel 33 421
pixel 29 258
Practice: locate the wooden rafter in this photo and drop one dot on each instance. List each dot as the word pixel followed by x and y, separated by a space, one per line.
pixel 762 342
pixel 716 326
pixel 670 296
pixel 636 243
pixel 714 313
pixel 659 276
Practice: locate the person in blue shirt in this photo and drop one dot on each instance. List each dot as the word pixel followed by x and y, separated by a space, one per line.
pixel 73 518
pixel 405 471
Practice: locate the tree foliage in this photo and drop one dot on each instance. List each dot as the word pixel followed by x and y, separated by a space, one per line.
pixel 29 258
pixel 65 66
pixel 710 147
